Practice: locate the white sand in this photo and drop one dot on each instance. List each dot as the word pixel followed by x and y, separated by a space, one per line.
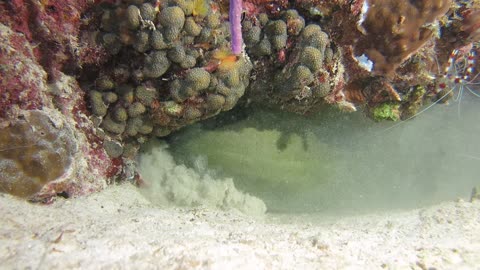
pixel 119 229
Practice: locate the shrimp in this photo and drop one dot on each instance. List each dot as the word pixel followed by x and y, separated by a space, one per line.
pixel 458 76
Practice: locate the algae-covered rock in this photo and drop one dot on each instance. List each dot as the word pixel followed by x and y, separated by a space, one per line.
pixel 386 111
pixel 147 11
pixel 132 17
pixel 113 148
pixel 141 43
pixel 103 83
pixel 156 64
pixel 110 97
pixel 146 95
pixel 312 58
pixel 157 41
pixel 176 54
pixel 136 109
pixel 198 79
pixel 120 114
pixel 215 102
pixel 98 106
pixel 414 102
pixel 173 19
pixel 110 125
pixel 171 56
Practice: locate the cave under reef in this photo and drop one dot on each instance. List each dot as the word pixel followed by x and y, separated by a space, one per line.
pixel 254 105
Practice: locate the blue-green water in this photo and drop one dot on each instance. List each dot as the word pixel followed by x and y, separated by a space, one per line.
pixel 337 161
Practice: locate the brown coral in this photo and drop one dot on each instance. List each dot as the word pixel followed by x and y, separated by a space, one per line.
pixel 34 151
pixel 394 30
pixel 471 24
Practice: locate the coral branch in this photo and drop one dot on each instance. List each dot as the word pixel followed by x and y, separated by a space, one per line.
pixel 395 30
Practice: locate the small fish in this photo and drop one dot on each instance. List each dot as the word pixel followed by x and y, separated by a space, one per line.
pixel 226 58
pixel 223 60
pixel 201 8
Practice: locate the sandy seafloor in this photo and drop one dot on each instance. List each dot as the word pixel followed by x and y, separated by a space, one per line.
pixel 119 229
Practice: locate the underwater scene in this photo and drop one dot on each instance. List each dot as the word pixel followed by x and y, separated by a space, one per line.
pixel 240 134
pixel 334 162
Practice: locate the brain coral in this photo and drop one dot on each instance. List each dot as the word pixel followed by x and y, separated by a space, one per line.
pixel 34 150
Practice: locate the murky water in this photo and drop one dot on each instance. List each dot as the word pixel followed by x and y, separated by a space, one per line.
pixel 334 162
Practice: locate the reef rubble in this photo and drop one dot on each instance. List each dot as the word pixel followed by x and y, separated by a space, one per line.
pixel 109 74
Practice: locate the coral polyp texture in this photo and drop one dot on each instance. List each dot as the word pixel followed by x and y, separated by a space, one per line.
pixel 304 67
pixel 34 151
pixel 171 66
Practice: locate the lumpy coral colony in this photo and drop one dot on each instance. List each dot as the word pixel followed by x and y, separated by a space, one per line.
pixel 84 83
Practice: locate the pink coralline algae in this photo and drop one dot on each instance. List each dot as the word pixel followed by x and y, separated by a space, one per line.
pixel 52 26
pixel 37 39
pixel 21 76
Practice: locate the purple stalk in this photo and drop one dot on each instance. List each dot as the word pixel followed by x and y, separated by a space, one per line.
pixel 235 17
